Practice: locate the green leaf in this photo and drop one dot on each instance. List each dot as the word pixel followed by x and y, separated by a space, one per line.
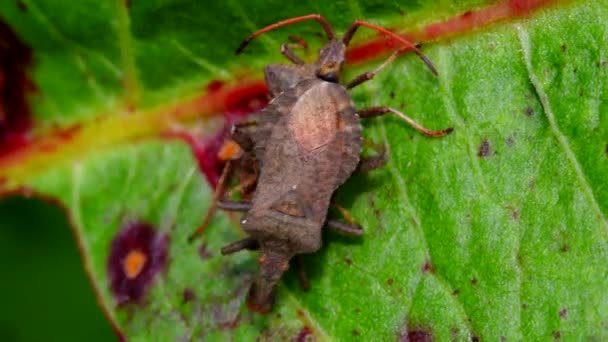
pixel 497 231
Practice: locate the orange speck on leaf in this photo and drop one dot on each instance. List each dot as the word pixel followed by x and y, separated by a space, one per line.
pixel 134 262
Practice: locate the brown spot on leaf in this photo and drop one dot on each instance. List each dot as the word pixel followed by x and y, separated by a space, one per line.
pixel 390 281
pixel 356 332
pixel 304 335
pixel 485 149
pixel 524 306
pixel 565 248
pixel 563 313
pixel 474 281
pixel 529 111
pixel 15 85
pixel 515 214
pixel 188 295
pixel 427 267
pixel 474 338
pixel 204 252
pixel 510 141
pixel 348 261
pixel 456 292
pixel 392 94
pixel 454 332
pixel 557 334
pixel 137 253
pixel 416 335
pixel 563 48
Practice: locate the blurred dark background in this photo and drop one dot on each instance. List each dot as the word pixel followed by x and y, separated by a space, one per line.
pixel 44 292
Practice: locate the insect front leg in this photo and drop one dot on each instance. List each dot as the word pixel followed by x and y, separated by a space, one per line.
pixel 351 228
pixel 246 243
pixel 370 163
pixel 296 42
pixel 377 111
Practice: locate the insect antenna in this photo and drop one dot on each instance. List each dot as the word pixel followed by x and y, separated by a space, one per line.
pixel 326 26
pixel 408 45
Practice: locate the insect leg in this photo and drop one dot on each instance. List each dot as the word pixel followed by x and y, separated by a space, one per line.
pixel 377 111
pixel 408 45
pixel 286 51
pixel 233 205
pixel 302 276
pixel 369 163
pixel 324 23
pixel 246 243
pixel 345 228
pixel 220 190
pixel 366 76
pixel 296 43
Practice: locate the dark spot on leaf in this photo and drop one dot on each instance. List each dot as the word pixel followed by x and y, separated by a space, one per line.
pixel 401 12
pixel 416 335
pixel 510 141
pixel 356 332
pixel 204 252
pixel 607 149
pixel 348 261
pixel 21 6
pixel 565 248
pixel 214 86
pixel 503 338
pixel 188 295
pixel 474 281
pixel 581 93
pixel 137 253
pixel 563 48
pixel 454 331
pixel 427 267
pixel 15 117
pixel 563 313
pixel 522 6
pixel 304 335
pixel 485 149
pixel 467 14
pixel 529 111
pixel 557 334
pixel 390 281
pixel 474 338
pixel 515 214
pixel 524 306
pixel 392 94
pixel 456 292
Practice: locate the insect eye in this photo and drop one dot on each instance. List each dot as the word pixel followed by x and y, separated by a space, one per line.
pixel 330 77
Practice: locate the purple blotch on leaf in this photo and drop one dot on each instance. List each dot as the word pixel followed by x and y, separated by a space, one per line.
pixel 137 253
pixel 416 335
pixel 485 149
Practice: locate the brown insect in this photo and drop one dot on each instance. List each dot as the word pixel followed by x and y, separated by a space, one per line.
pixel 307 142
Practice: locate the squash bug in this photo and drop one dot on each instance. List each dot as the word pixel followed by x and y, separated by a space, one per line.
pixel 306 143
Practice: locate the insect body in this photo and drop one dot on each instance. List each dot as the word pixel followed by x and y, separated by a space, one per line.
pixel 307 143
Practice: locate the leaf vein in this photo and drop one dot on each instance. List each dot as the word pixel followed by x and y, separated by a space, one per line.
pixel 555 130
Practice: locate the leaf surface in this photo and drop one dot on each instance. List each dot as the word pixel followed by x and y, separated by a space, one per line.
pixel 497 231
